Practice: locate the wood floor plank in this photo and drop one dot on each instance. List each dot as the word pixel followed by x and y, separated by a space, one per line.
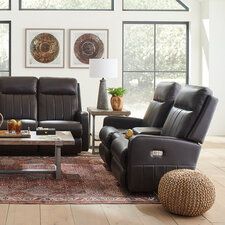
pixel 3 213
pixel 219 223
pixel 199 220
pixel 154 215
pixel 217 213
pixel 121 215
pixel 23 215
pixel 89 214
pixel 56 215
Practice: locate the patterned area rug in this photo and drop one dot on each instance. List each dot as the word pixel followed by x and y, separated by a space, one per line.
pixel 85 181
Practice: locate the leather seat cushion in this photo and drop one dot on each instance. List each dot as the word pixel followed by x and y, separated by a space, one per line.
pixel 147 130
pixel 32 124
pixel 73 126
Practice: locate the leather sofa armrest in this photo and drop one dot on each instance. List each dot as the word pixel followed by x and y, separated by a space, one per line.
pixel 82 117
pixel 120 122
pixel 162 150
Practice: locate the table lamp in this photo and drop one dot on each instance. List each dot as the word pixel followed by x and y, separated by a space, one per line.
pixel 105 68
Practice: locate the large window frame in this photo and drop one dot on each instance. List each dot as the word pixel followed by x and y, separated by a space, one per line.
pixel 9 8
pixel 9 70
pixel 157 10
pixel 36 9
pixel 155 71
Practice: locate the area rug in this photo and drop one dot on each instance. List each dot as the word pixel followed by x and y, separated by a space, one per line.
pixel 85 180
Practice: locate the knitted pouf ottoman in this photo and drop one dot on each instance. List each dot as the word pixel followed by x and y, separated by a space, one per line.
pixel 186 192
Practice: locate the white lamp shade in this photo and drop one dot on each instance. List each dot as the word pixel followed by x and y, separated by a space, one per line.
pixel 107 68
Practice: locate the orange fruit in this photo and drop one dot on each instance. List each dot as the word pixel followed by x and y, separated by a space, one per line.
pixel 14 123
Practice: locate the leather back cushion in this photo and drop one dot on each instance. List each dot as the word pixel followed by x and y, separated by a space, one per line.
pixel 156 113
pixel 18 106
pixel 18 85
pixel 58 99
pixel 18 97
pixel 159 108
pixel 166 91
pixel 57 86
pixel 186 111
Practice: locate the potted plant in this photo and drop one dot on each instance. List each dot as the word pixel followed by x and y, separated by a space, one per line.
pixel 117 98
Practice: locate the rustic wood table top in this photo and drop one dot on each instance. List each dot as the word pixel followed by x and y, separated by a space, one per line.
pixel 110 112
pixel 61 137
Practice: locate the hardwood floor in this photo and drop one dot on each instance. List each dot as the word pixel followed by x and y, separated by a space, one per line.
pixel 211 162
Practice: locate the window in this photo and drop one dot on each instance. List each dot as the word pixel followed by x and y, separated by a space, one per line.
pixel 152 52
pixel 66 4
pixel 5 68
pixel 5 4
pixel 155 5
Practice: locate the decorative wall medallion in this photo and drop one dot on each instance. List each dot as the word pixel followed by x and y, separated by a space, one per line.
pixel 87 44
pixel 45 48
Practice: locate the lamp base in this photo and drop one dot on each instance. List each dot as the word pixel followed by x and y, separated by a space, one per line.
pixel 102 96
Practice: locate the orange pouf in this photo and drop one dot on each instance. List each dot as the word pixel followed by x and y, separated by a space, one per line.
pixel 186 192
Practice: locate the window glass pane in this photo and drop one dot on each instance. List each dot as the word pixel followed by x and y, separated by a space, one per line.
pixel 4 74
pixel 4 47
pixel 171 77
pixel 66 4
pixel 164 60
pixel 140 89
pixel 4 4
pixel 153 5
pixel 138 47
pixel 171 47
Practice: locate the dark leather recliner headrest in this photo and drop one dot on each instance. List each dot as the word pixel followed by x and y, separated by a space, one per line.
pixel 191 98
pixel 166 91
pixel 191 115
pixel 18 85
pixel 57 86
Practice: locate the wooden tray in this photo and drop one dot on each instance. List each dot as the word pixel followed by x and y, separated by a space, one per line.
pixel 6 134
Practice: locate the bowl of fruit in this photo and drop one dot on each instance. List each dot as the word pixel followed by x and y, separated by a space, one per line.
pixel 14 126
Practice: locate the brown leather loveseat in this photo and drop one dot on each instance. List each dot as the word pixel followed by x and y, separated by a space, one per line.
pixel 46 102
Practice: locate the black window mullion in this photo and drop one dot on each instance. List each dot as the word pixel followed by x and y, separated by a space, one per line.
pixel 187 53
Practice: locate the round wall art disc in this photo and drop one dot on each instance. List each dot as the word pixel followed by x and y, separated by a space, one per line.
pixel 88 46
pixel 44 48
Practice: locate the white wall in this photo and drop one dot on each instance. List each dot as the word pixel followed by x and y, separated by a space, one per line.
pixel 217 62
pixel 92 20
pixel 204 24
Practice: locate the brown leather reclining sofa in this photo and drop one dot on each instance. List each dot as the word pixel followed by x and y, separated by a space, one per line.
pixel 140 162
pixel 45 102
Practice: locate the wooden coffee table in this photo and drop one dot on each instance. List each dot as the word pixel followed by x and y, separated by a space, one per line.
pixel 60 139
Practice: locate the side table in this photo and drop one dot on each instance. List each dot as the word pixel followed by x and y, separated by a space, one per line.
pixel 93 111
